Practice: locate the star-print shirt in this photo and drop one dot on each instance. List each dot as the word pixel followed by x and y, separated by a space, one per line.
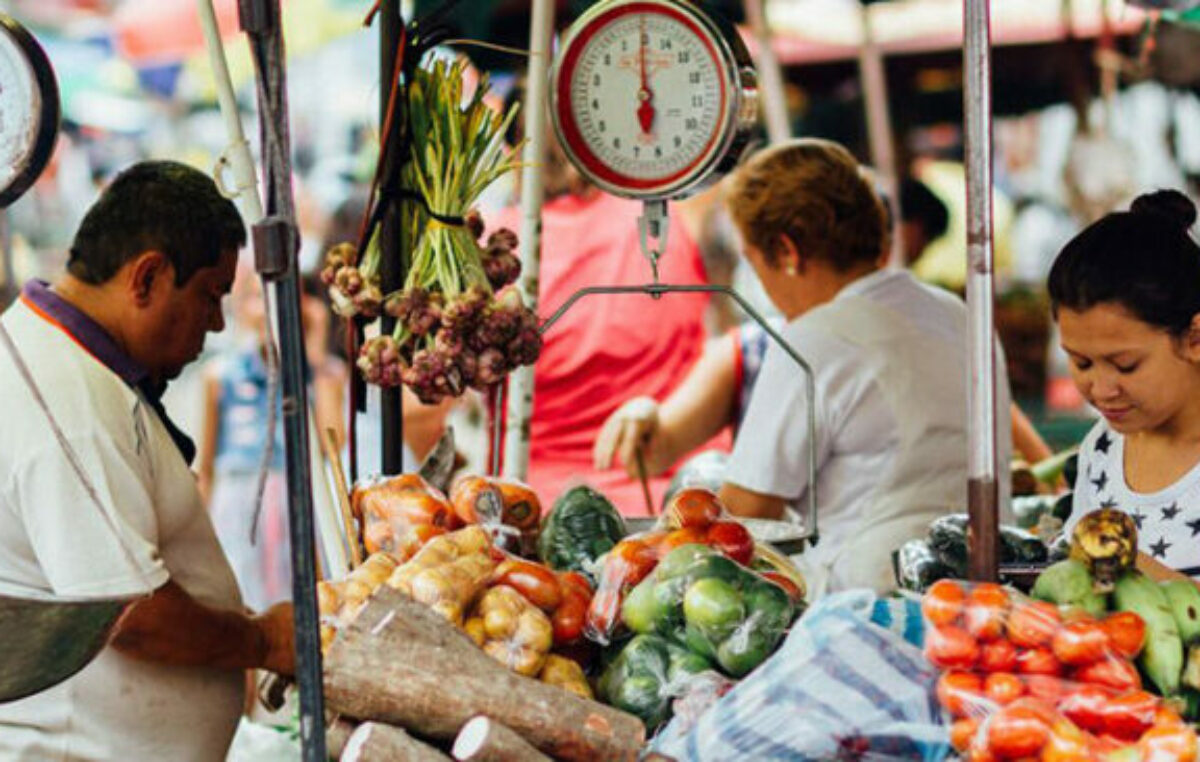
pixel 1168 520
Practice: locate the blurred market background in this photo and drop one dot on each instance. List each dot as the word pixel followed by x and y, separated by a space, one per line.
pixel 1094 102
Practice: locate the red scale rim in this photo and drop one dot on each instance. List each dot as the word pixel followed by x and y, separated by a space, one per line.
pixel 574 138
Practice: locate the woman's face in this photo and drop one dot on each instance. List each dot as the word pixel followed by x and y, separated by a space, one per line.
pixel 1135 374
pixel 785 290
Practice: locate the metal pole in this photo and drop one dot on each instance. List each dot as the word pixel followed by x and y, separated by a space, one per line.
pixel 879 119
pixel 520 381
pixel 8 286
pixel 391 230
pixel 276 242
pixel 237 152
pixel 770 74
pixel 982 497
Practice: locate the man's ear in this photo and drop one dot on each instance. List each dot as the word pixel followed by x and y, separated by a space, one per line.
pixel 144 272
pixel 1191 340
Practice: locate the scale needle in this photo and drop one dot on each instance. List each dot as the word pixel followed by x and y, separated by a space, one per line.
pixel 645 112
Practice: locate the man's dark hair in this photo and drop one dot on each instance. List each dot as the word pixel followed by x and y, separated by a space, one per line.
pixel 919 203
pixel 156 205
pixel 1143 260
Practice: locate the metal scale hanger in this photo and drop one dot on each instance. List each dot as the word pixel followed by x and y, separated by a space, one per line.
pixel 655 100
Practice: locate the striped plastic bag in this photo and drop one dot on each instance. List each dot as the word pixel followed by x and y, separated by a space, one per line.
pixel 839 688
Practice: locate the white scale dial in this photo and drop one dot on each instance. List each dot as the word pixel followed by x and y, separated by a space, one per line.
pixel 648 96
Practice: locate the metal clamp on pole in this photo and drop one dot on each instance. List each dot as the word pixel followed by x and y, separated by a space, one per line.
pixel 652 234
pixel 275 246
pixel 258 16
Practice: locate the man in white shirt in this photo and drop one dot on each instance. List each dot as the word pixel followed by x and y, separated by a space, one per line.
pixel 97 500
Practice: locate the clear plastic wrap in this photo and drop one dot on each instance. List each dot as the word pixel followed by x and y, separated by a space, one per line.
pixel 695 518
pixel 511 630
pixel 507 508
pixel 647 674
pixel 711 605
pixel 1026 678
pixel 448 572
pixel 399 514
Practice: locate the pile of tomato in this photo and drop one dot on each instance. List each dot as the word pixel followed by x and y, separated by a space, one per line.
pixel 1023 680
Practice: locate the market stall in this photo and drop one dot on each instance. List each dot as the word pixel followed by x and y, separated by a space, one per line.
pixel 477 628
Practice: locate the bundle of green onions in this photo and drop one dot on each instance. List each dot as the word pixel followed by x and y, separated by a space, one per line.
pixel 460 323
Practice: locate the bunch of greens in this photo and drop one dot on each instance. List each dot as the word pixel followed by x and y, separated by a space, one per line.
pixel 459 321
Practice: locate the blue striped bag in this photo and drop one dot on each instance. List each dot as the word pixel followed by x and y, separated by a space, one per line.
pixel 839 688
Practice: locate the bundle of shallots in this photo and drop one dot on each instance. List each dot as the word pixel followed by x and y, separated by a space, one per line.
pixel 460 323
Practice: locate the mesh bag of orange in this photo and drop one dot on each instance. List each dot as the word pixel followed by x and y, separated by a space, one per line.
pixel 1027 680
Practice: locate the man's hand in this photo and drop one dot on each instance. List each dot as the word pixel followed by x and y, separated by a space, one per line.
pixel 172 627
pixel 633 425
pixel 278 631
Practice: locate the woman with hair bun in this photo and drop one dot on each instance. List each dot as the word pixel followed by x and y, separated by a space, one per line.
pixel 1126 295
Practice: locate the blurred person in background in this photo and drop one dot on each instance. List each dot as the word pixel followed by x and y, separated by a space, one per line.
pixel 605 348
pixel 234 438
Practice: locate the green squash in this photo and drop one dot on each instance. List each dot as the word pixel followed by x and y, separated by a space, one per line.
pixel 582 526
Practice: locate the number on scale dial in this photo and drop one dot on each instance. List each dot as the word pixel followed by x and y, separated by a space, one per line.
pixel 644 96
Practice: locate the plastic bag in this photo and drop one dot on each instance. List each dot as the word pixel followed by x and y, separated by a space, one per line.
pixel 839 687
pixel 340 601
pixel 507 508
pixel 645 676
pixel 1023 677
pixel 449 572
pixel 511 630
pixel 399 514
pixel 694 517
pixel 563 596
pixel 917 567
pixel 711 605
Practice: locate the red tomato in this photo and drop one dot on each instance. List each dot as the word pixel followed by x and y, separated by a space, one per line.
pixel 1169 743
pixel 732 539
pixel 1114 673
pixel 943 602
pixel 602 611
pixel 985 611
pixel 693 507
pixel 1126 632
pixel 1166 716
pixel 1085 706
pixel 569 617
pixel 951 648
pixel 1080 643
pixel 575 581
pixel 1003 688
pixel 1067 743
pixel 536 583
pixel 632 559
pixel 1037 661
pixel 1045 688
pixel 962 732
pixel 1017 731
pixel 1032 624
pixel 568 620
pixel 960 693
pixel 998 656
pixel 1130 714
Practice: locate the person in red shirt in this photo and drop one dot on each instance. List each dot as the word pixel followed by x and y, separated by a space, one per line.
pixel 605 349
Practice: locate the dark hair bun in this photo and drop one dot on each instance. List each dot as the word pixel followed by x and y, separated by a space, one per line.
pixel 1168 204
